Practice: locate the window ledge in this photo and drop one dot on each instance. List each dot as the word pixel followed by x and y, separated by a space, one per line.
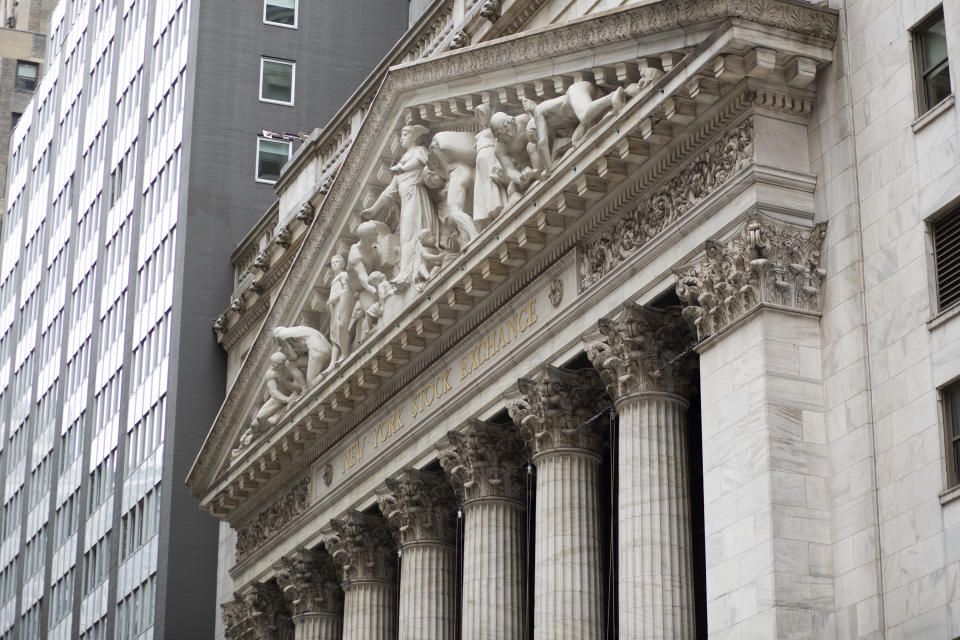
pixel 950 495
pixel 933 113
pixel 943 317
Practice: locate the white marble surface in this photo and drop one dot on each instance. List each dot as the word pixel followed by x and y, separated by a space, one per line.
pixel 428 592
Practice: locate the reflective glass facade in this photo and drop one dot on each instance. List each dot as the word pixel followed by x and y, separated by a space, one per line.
pixel 86 288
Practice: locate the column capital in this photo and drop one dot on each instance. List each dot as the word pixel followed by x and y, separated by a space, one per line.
pixel 419 506
pixel 361 544
pixel 555 410
pixel 485 461
pixel 308 580
pixel 639 352
pixel 259 611
pixel 767 263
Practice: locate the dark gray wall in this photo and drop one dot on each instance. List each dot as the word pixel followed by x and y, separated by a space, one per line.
pixel 336 44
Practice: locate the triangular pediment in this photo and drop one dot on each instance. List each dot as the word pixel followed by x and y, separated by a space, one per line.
pixel 640 79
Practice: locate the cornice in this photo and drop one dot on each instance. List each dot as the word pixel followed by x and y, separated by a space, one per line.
pixel 593 31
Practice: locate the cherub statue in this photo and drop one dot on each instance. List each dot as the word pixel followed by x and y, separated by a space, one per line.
pixel 407 191
pixel 518 158
pixel 374 311
pixel 433 258
pixel 579 108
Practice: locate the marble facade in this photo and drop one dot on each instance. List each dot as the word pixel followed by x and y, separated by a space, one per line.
pixel 543 351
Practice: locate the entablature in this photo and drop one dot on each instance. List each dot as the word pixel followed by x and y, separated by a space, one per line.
pixel 700 91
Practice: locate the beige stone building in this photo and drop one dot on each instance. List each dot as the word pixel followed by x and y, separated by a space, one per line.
pixel 604 319
pixel 23 29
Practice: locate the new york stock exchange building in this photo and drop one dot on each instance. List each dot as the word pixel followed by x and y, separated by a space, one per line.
pixel 541 341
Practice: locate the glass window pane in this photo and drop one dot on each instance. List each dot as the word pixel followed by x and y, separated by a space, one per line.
pixel 953 410
pixel 277 81
pixel 271 157
pixel 281 11
pixel 933 45
pixel 937 84
pixel 27 73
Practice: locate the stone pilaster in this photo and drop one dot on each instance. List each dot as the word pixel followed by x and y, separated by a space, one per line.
pixel 361 544
pixel 639 357
pixel 258 613
pixel 755 300
pixel 485 463
pixel 422 513
pixel 309 582
pixel 557 416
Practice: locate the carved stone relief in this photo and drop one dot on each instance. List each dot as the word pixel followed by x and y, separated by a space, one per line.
pixel 768 262
pixel 485 460
pixel 711 169
pixel 363 548
pixel 309 582
pixel 259 612
pixel 419 506
pixel 559 410
pixel 251 536
pixel 642 350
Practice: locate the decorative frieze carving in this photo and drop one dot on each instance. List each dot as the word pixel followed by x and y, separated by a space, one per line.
pixel 768 262
pixel 251 536
pixel 419 506
pixel 363 547
pixel 558 410
pixel 641 351
pixel 260 612
pixel 309 582
pixel 305 213
pixel 485 460
pixel 711 169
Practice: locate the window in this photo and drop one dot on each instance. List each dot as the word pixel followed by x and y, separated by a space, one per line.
pixel 271 156
pixel 280 12
pixel 276 80
pixel 951 414
pixel 14 119
pixel 930 55
pixel 27 73
pixel 946 257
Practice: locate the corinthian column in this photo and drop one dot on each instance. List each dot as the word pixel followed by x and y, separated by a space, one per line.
pixel 635 356
pixel 554 417
pixel 259 612
pixel 309 582
pixel 362 546
pixel 421 511
pixel 485 464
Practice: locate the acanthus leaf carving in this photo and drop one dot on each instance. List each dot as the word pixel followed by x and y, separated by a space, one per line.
pixel 485 460
pixel 711 169
pixel 419 507
pixel 642 351
pixel 768 262
pixel 363 548
pixel 559 410
pixel 309 582
pixel 253 535
pixel 259 612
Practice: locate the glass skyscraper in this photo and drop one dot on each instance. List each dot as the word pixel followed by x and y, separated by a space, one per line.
pixel 138 166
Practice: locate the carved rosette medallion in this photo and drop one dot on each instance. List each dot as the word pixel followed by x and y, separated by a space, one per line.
pixel 558 410
pixel 259 612
pixel 251 536
pixel 710 169
pixel 768 263
pixel 485 461
pixel 419 507
pixel 363 548
pixel 640 351
pixel 310 583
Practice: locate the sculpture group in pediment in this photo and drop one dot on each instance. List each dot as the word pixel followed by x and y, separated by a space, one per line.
pixel 444 189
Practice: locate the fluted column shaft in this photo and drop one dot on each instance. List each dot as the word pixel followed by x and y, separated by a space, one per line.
pixel 428 591
pixel 318 626
pixel 493 569
pixel 370 611
pixel 656 574
pixel 568 573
